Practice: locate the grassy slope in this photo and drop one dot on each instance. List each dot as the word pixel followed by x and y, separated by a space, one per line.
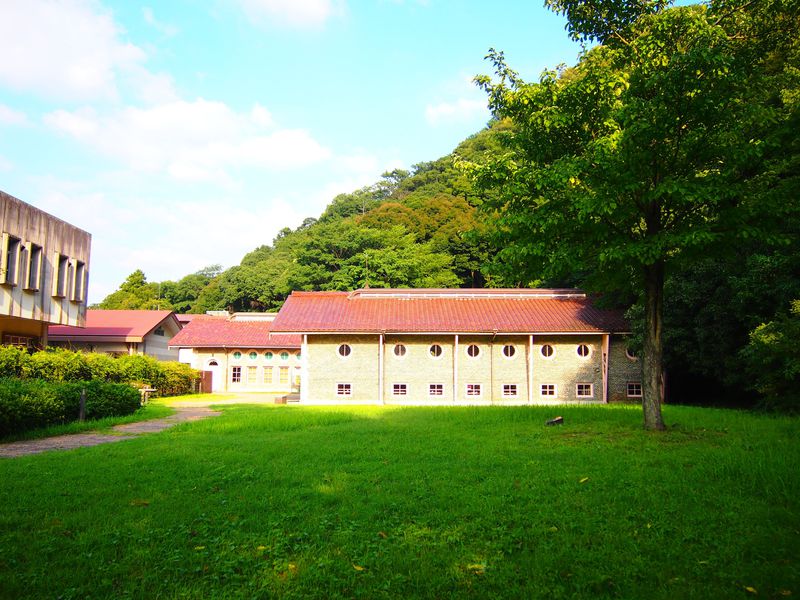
pixel 425 502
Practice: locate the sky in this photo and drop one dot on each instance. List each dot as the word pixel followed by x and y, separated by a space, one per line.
pixel 186 133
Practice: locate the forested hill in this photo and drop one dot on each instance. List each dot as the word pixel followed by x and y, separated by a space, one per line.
pixel 410 229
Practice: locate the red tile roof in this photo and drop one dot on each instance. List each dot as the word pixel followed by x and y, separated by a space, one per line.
pixel 184 318
pixel 446 311
pixel 218 332
pixel 130 325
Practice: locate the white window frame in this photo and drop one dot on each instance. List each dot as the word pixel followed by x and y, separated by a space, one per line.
pixel 578 387
pixel 236 374
pixel 436 356
pixel 588 351
pixel 344 390
pixel 252 370
pixel 473 386
pixel 506 389
pixel 542 390
pixel 628 389
pixel 631 355
pixel 467 349
pixel 399 351
pixel 267 374
pixel 513 351
pixel 552 353
pixel 283 373
pixel 348 354
pixel 399 389
pixel 440 390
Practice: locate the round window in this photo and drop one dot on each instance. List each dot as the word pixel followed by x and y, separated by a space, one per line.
pixel 630 353
pixel 344 350
pixel 268 355
pixel 473 350
pixel 436 350
pixel 399 350
pixel 253 355
pixel 284 356
pixel 547 351
pixel 297 356
pixel 509 351
pixel 583 350
pixel 237 355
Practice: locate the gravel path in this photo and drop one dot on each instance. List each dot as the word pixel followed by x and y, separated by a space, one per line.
pixel 119 433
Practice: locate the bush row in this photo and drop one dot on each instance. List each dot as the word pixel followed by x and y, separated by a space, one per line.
pixel 60 365
pixel 30 403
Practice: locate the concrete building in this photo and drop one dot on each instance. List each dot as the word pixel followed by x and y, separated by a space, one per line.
pixel 241 352
pixel 459 347
pixel 120 332
pixel 44 273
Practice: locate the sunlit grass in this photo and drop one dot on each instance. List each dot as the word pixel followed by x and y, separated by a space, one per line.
pixel 327 502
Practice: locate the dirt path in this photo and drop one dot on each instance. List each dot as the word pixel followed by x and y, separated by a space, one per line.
pixel 118 433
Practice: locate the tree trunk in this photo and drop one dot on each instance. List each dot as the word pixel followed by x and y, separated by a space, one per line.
pixel 652 382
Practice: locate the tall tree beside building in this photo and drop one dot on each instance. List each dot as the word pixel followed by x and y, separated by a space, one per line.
pixel 664 143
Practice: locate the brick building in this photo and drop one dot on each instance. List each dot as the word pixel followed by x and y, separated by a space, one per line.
pixel 511 346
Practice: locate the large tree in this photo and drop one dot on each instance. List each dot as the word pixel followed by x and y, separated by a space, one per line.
pixel 657 147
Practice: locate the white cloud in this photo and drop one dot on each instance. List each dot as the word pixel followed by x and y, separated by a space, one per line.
pixel 9 116
pixel 192 141
pixel 150 19
pixel 68 49
pixel 463 109
pixel 295 13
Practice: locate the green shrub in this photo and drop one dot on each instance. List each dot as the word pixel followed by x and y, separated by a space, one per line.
pixel 178 378
pixel 58 364
pixel 103 399
pixel 104 367
pixel 28 404
pixel 143 369
pixel 13 361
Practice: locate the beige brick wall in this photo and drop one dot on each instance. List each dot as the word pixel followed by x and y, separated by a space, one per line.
pixel 262 363
pixel 621 370
pixel 327 369
pixel 566 369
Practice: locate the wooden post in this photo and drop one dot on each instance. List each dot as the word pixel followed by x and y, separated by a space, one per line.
pixel 82 406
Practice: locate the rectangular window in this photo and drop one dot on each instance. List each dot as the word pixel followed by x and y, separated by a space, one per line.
pixel 436 389
pixel 283 374
pixel 236 374
pixel 17 340
pixel 252 375
pixel 10 259
pixel 634 389
pixel 584 390
pixel 34 275
pixel 473 389
pixel 267 374
pixel 60 268
pixel 548 389
pixel 344 389
pixel 79 282
pixel 509 390
pixel 399 389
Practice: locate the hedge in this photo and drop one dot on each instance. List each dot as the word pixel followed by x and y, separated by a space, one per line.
pixel 60 365
pixel 28 404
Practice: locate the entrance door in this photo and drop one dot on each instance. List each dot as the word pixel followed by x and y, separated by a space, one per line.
pixel 216 379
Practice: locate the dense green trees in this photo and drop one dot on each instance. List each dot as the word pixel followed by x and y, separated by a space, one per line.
pixel 660 146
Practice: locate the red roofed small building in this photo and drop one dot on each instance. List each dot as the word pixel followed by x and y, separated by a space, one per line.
pixel 120 332
pixel 459 346
pixel 241 352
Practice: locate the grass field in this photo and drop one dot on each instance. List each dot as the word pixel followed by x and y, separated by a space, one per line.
pixel 413 502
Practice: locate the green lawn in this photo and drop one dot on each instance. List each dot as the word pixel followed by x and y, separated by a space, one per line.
pixel 413 502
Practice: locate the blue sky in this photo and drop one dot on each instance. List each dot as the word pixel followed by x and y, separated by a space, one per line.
pixel 186 133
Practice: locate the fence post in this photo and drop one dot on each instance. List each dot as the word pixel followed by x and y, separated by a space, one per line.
pixel 82 409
